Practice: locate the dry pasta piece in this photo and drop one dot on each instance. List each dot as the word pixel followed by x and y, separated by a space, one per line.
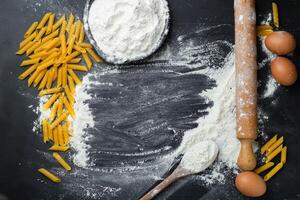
pixel 44 20
pixel 94 55
pixel 71 44
pixel 71 33
pixel 39 77
pixel 85 45
pixel 80 49
pixel 39 54
pixel 59 77
pixel 275 14
pixel 33 47
pixel 50 132
pixel 50 91
pixel 40 34
pixel 274 146
pixel 75 61
pixel 59 148
pixel 82 34
pixel 283 155
pixel 50 23
pixel 66 134
pixel 69 107
pixel 59 23
pixel 61 161
pixel 52 44
pixel 60 135
pixel 30 62
pixel 28 39
pixel 33 77
pixel 74 76
pixel 77 67
pixel 69 95
pixel 60 106
pixel 45 131
pixel 73 55
pixel 71 84
pixel 68 127
pixel 58 120
pixel 70 22
pixel 55 136
pixel 49 103
pixel 77 30
pixel 50 37
pixel 266 146
pixel 54 111
pixel 63 44
pixel 31 29
pixel 264 32
pixel 64 75
pixel 49 175
pixel 28 72
pixel 25 48
pixel 269 175
pixel 274 153
pixel 50 79
pixel 264 167
pixel 44 81
pixel 45 64
pixel 63 28
pixel 55 71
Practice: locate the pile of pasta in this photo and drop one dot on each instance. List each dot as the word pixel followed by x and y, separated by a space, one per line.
pixel 271 149
pixel 55 51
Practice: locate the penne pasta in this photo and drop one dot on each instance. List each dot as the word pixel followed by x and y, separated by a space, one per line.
pixel 77 30
pixel 59 148
pixel 50 102
pixel 81 35
pixel 61 161
pixel 70 44
pixel 73 55
pixel 59 77
pixel 55 136
pixel 69 95
pixel 39 77
pixel 28 39
pixel 33 77
pixel 50 91
pixel 28 72
pixel 274 153
pixel 31 29
pixel 275 14
pixel 54 111
pixel 269 175
pixel 64 75
pixel 94 55
pixel 80 49
pixel 66 135
pixel 55 72
pixel 33 47
pixel 50 37
pixel 75 61
pixel 70 22
pixel 49 175
pixel 77 67
pixel 50 132
pixel 60 135
pixel 45 131
pixel 30 62
pixel 274 146
pixel 264 167
pixel 68 127
pixel 50 79
pixel 71 84
pixel 283 155
pixel 44 81
pixel 52 44
pixel 74 76
pixel 58 120
pixel 71 32
pixel 63 28
pixel 39 54
pixel 69 107
pixel 85 45
pixel 45 65
pixel 63 44
pixel 40 34
pixel 50 23
pixel 58 23
pixel 44 20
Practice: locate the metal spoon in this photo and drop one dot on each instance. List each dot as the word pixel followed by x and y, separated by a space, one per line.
pixel 182 170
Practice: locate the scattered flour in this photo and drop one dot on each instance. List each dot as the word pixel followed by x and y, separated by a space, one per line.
pixel 128 30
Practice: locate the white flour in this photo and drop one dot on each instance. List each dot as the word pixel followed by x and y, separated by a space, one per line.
pixel 128 29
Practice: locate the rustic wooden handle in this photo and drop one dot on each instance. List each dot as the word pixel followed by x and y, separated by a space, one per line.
pixel 246 80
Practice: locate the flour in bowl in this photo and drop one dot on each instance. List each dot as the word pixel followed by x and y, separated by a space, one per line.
pixel 128 30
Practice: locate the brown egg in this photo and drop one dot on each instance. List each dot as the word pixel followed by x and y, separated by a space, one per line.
pixel 250 184
pixel 281 42
pixel 284 71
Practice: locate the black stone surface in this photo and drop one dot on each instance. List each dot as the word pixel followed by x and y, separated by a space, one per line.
pixel 22 152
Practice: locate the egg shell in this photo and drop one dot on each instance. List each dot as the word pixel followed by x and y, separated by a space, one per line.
pixel 284 71
pixel 281 42
pixel 250 184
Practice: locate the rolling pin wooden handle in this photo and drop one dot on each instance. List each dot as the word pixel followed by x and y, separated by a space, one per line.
pixel 246 159
pixel 246 80
pixel 165 183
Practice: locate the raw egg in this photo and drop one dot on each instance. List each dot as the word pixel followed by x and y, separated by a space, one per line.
pixel 284 71
pixel 281 42
pixel 250 184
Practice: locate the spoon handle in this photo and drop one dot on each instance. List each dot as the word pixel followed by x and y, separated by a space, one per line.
pixel 165 183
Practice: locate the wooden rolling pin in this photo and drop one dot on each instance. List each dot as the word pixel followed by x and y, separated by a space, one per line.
pixel 246 80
